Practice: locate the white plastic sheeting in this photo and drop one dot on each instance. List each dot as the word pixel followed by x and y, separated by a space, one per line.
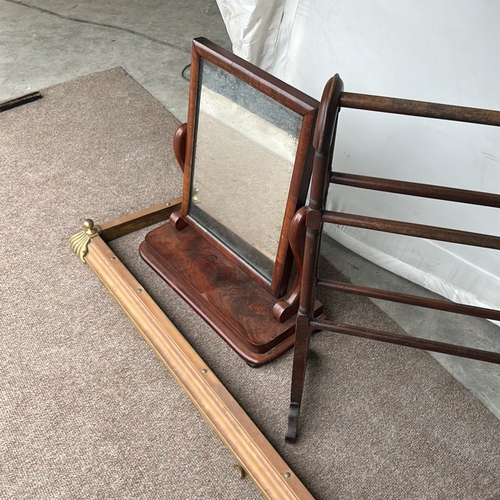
pixel 254 28
pixel 433 50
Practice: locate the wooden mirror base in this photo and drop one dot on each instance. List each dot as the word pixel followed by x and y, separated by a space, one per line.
pixel 231 302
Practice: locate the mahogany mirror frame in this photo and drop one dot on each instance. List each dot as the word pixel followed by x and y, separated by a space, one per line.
pixel 240 288
pixel 282 93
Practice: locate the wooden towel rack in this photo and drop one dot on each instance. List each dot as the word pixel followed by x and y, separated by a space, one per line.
pixel 316 216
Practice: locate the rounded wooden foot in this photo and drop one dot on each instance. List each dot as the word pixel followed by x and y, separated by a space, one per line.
pixel 293 423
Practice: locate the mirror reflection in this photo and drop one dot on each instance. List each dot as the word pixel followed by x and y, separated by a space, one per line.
pixel 246 145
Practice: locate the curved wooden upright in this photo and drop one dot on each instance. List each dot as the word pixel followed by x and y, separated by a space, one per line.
pixel 323 145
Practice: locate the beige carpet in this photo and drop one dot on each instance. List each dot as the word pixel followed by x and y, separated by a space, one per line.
pixel 86 409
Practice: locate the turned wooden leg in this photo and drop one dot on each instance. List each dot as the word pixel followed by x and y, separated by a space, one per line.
pixel 323 140
pixel 302 338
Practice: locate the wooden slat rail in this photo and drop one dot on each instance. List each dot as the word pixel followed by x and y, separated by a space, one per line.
pixel 404 340
pixel 333 100
pixel 414 300
pixel 419 108
pixel 416 189
pixel 410 229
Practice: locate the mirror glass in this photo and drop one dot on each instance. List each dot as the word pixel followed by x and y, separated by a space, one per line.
pixel 242 166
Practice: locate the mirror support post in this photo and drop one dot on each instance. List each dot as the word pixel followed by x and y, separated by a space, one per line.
pixel 179 145
pixel 288 305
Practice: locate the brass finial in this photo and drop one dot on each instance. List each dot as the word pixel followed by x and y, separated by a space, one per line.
pixel 80 241
pixel 88 226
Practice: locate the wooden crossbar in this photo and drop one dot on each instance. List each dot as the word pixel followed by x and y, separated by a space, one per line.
pixel 414 300
pixel 410 229
pixel 416 189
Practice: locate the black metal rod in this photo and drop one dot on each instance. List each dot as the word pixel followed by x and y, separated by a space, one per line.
pixel 19 101
pixel 416 189
pixel 414 300
pixel 415 342
pixel 420 108
pixel 410 229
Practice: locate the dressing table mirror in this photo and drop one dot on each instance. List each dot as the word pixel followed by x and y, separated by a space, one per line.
pixel 246 154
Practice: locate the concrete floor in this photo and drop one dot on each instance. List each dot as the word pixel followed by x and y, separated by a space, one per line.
pixel 45 42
